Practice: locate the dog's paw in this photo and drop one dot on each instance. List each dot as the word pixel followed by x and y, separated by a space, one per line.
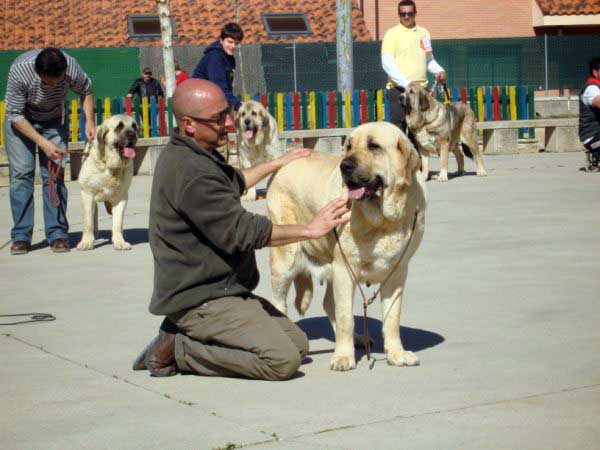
pixel 401 358
pixel 121 245
pixel 342 362
pixel 360 341
pixel 443 177
pixel 86 244
pixel 481 173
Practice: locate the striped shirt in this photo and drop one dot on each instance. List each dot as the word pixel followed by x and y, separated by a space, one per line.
pixel 27 97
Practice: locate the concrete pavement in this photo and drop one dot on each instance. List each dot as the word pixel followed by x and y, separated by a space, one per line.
pixel 501 307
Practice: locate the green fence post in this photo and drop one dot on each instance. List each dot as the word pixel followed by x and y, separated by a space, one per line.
pixel 473 100
pixel 304 108
pixel 504 103
pixel 370 106
pixel 319 109
pixel 339 108
pixel 99 111
pixel 271 104
pixel 169 115
pixel 518 100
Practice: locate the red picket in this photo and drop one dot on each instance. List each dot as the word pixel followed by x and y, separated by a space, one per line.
pixel 363 107
pixel 128 108
pixel 463 95
pixel 162 118
pixel 296 109
pixel 264 99
pixel 331 109
pixel 496 96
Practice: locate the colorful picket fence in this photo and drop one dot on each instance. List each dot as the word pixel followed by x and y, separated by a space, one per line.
pixel 309 110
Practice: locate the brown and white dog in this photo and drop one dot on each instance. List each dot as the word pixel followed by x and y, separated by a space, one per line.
pixel 105 176
pixel 379 169
pixel 257 137
pixel 440 128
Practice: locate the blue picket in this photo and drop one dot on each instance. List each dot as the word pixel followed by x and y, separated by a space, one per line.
pixel 288 111
pixel 355 108
pixel 153 117
pixel 82 136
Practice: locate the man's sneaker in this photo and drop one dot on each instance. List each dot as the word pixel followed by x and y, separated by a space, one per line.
pixel 593 160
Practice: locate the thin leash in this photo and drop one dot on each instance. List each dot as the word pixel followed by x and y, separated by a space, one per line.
pixel 368 301
pixel 54 169
pixel 442 86
pixel 33 317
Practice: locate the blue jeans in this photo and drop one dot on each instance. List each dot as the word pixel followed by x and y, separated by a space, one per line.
pixel 21 164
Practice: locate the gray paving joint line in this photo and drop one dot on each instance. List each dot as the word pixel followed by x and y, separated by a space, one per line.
pixel 126 381
pixel 443 411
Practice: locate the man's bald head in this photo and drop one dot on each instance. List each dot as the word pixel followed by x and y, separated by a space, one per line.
pixel 194 96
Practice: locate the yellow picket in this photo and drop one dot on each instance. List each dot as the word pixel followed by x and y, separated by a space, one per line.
pixel 512 93
pixel 74 121
pixel 348 109
pixel 247 97
pixel 2 114
pixel 145 117
pixel 280 111
pixel 480 105
pixel 312 115
pixel 106 108
pixel 380 105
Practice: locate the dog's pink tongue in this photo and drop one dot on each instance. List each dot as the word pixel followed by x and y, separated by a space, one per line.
pixel 129 152
pixel 356 194
pixel 248 134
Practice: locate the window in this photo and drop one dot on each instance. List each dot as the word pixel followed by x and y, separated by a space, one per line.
pixel 146 26
pixel 286 23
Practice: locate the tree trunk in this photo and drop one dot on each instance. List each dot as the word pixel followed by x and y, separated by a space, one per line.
pixel 167 38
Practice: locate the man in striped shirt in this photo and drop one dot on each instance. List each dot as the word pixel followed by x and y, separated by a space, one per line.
pixel 36 90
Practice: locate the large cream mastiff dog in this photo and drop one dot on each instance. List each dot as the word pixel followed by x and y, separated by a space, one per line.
pixel 380 171
pixel 105 176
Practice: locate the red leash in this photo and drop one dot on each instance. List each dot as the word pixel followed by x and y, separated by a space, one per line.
pixel 53 173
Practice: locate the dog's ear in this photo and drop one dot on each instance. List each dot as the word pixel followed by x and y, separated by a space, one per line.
pixel 265 117
pixel 236 119
pixel 423 100
pixel 100 141
pixel 411 156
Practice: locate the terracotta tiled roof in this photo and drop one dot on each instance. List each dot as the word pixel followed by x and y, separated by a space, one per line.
pixel 568 7
pixel 103 23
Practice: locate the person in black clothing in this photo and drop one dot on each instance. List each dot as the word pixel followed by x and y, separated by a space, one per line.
pixel 589 117
pixel 203 242
pixel 146 86
pixel 218 63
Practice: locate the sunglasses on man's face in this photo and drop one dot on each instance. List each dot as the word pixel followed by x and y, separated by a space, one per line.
pixel 219 120
pixel 406 13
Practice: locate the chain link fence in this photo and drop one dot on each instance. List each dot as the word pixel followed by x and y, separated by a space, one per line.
pixel 545 62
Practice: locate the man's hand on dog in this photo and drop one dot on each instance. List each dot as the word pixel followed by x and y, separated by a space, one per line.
pixel 334 213
pixel 292 155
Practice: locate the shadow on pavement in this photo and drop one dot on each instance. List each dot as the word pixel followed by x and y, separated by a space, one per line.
pixel 413 339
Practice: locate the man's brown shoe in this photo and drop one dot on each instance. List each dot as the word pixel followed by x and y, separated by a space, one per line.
pixel 20 247
pixel 60 245
pixel 160 359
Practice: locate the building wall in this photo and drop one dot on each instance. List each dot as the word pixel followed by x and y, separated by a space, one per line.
pixel 459 19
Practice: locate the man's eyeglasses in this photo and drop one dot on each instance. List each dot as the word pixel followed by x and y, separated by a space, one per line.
pixel 406 14
pixel 219 120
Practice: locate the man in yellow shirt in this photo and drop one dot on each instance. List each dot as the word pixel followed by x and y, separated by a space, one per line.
pixel 406 55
